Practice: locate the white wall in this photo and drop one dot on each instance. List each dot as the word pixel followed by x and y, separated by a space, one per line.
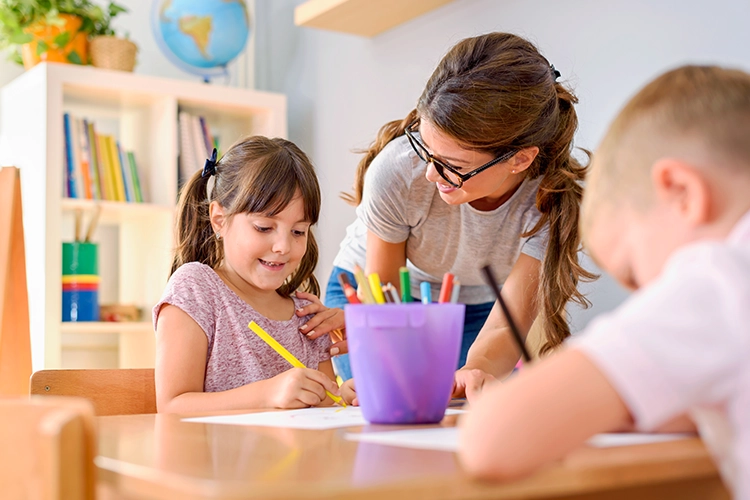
pixel 341 88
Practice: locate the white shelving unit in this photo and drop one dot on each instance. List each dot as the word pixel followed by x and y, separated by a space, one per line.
pixel 135 240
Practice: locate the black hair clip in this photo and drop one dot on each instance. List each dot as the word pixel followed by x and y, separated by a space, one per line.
pixel 555 74
pixel 209 168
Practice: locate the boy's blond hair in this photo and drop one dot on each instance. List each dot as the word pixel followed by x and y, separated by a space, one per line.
pixel 699 114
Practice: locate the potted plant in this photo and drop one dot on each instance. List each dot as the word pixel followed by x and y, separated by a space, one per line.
pixel 51 30
pixel 108 50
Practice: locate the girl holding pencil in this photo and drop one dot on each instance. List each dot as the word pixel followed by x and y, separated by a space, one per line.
pixel 481 172
pixel 228 325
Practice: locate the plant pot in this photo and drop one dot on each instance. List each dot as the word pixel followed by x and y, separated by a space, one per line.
pixel 113 53
pixel 64 43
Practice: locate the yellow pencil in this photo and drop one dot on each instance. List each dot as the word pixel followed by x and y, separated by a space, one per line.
pixel 260 332
pixel 376 288
pixel 363 285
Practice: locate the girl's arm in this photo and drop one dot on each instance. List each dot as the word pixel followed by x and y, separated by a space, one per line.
pixel 539 416
pixel 181 348
pixel 494 353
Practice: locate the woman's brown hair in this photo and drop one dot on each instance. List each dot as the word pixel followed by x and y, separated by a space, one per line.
pixel 256 175
pixel 496 93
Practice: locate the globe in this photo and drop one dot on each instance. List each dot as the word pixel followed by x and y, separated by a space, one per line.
pixel 201 36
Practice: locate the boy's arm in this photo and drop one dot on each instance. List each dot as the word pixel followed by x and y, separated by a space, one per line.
pixel 548 410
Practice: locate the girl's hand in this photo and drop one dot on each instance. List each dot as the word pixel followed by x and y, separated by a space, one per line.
pixel 468 383
pixel 324 321
pixel 299 388
pixel 349 393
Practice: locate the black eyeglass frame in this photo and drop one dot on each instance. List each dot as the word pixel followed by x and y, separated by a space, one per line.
pixel 440 167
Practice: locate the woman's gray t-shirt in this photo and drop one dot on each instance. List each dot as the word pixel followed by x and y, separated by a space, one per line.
pixel 400 204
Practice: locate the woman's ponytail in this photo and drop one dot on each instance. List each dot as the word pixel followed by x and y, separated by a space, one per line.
pixel 558 200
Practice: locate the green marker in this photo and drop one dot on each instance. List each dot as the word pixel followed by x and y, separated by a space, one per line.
pixel 405 285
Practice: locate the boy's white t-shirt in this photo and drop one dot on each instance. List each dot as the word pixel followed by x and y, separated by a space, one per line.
pixel 682 345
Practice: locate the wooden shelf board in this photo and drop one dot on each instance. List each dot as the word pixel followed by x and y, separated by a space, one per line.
pixel 361 17
pixel 116 211
pixel 106 327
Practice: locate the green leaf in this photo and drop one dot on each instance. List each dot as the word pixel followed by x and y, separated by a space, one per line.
pixel 62 39
pixel 74 57
pixel 41 47
pixel 20 38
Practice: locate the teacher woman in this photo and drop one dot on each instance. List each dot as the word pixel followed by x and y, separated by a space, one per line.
pixel 480 172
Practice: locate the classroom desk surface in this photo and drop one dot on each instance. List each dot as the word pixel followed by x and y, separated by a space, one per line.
pixel 158 456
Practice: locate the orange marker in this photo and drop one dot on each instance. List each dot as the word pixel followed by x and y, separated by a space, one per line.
pixel 446 288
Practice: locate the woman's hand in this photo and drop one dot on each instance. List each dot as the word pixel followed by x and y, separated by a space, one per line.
pixel 468 383
pixel 324 321
pixel 299 388
pixel 349 393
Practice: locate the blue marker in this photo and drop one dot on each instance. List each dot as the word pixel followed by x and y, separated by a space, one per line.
pixel 426 292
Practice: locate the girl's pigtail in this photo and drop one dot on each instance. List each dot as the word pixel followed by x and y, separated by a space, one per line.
pixel 194 239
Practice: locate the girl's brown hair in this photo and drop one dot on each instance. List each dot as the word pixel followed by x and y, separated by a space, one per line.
pixel 496 93
pixel 256 175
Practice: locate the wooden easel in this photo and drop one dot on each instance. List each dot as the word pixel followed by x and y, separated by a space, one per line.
pixel 15 341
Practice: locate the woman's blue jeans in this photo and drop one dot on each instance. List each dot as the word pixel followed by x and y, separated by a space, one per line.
pixel 476 315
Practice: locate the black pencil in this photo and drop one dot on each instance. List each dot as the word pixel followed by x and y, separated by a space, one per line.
pixel 490 278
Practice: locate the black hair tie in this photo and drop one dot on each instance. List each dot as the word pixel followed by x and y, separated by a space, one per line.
pixel 555 74
pixel 209 168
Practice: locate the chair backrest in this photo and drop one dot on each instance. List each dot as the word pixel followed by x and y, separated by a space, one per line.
pixel 113 392
pixel 48 448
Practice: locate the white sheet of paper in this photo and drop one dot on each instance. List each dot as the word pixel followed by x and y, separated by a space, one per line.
pixel 632 438
pixel 308 418
pixel 442 439
pixel 446 438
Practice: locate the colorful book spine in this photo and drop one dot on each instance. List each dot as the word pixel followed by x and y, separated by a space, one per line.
pixel 136 177
pixel 70 185
pixel 89 153
pixel 96 159
pixel 83 161
pixel 127 179
pixel 115 169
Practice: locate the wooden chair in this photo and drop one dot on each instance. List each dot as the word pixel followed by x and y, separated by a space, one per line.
pixel 112 392
pixel 48 448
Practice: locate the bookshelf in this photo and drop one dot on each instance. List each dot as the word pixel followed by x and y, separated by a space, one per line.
pixel 135 239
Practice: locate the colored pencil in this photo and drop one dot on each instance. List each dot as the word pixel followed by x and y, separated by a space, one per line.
pixel 405 285
pixel 456 290
pixel 446 288
pixel 273 344
pixel 349 291
pixel 426 292
pixel 490 279
pixel 364 286
pixel 393 292
pixel 376 288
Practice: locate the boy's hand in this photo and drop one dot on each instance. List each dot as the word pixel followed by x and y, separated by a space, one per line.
pixel 469 382
pixel 299 388
pixel 349 393
pixel 324 321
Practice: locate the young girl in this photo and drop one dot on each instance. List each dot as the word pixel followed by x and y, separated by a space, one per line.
pixel 244 248
pixel 480 172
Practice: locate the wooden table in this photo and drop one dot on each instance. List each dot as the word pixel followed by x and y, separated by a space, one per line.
pixel 158 456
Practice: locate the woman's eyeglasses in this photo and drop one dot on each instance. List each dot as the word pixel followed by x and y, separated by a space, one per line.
pixel 450 174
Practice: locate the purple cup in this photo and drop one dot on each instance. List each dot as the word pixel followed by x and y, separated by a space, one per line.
pixel 403 358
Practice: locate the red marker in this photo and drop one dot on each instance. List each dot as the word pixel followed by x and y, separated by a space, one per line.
pixel 446 288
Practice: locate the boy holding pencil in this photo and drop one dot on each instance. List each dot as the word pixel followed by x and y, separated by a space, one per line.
pixel 667 212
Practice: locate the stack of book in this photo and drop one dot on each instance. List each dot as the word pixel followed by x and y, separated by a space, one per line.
pixel 96 167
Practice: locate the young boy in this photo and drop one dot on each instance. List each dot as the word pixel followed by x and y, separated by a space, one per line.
pixel 667 212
